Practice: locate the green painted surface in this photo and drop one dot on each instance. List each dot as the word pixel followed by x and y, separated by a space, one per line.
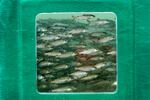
pixel 18 55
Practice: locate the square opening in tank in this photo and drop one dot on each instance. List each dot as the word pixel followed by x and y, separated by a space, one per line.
pixel 76 52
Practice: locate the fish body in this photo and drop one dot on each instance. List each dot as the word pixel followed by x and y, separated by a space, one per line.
pixel 78 74
pixel 58 28
pixel 58 42
pixel 50 38
pixel 40 77
pixel 96 58
pixel 88 51
pixel 110 69
pixel 60 24
pixel 65 35
pixel 64 89
pixel 99 22
pixel 41 29
pixel 61 80
pixel 84 17
pixel 105 39
pixel 115 83
pixel 45 64
pixel 61 67
pixel 103 22
pixel 76 31
pixel 66 55
pixel 112 53
pixel 100 65
pixel 85 68
pixel 40 46
pixel 97 34
pixel 52 54
pixel 90 15
pixel 88 78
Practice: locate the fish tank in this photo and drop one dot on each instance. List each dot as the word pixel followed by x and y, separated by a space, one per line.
pixel 76 52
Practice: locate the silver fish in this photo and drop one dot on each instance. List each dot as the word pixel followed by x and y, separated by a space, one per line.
pixel 45 64
pixel 60 24
pixel 40 46
pixel 87 78
pixel 100 65
pixel 43 47
pixel 102 22
pixel 85 68
pixel 89 51
pixel 52 54
pixel 112 53
pixel 65 35
pixel 78 46
pixel 78 74
pixel 47 48
pixel 41 29
pixel 76 63
pixel 61 80
pixel 97 34
pixel 99 22
pixel 42 86
pixel 64 89
pixel 50 38
pixel 45 71
pixel 115 83
pixel 58 42
pixel 83 17
pixel 105 39
pixel 96 58
pixel 61 67
pixel 58 28
pixel 110 69
pixel 49 76
pixel 77 31
pixel 40 77
pixel 66 55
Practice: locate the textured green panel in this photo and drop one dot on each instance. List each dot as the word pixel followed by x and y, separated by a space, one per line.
pixel 142 50
pixel 18 55
pixel 9 66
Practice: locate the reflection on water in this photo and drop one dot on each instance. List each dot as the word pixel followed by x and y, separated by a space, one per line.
pixel 76 55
